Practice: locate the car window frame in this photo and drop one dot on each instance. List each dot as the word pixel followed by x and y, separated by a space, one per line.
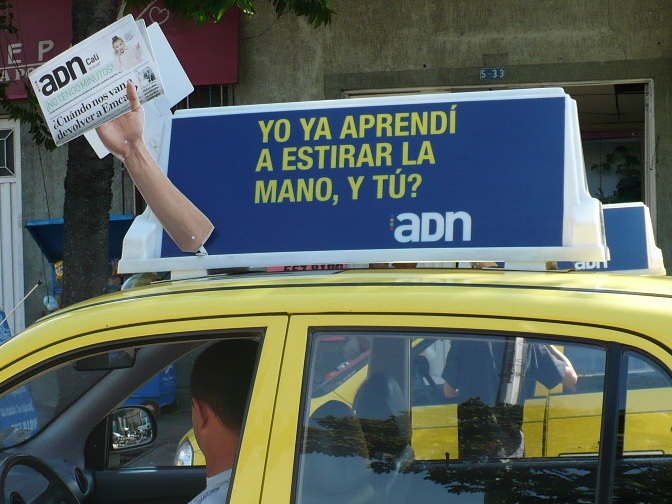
pixel 247 476
pixel 282 471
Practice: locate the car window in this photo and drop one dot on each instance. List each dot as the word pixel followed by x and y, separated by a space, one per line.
pixel 391 428
pixel 171 404
pixel 168 395
pixel 339 358
pixel 645 442
pixel 26 410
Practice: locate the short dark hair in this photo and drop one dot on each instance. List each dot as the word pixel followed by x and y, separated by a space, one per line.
pixel 221 378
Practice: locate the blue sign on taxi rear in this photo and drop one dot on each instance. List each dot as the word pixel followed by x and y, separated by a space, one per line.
pixel 424 178
pixel 631 242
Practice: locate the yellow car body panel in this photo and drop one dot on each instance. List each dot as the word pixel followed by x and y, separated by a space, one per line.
pixel 633 311
pixel 550 299
pixel 572 425
pixel 435 432
pixel 547 296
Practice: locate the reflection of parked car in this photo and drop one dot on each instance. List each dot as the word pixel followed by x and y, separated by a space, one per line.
pixel 188 452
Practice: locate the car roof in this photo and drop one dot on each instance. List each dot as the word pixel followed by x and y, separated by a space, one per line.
pixel 378 291
pixel 177 309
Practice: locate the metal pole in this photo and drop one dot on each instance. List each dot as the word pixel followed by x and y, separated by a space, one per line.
pixel 39 282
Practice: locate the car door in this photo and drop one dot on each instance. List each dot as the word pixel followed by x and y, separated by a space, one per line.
pixel 150 476
pixel 606 437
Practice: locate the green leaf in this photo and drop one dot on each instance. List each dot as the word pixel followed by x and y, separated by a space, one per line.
pixel 246 6
pixel 317 12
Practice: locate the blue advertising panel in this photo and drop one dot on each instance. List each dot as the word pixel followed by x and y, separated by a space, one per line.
pixel 494 175
pixel 18 417
pixel 442 174
pixel 630 240
pixel 626 238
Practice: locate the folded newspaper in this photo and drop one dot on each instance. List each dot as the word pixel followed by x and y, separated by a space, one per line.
pixel 85 86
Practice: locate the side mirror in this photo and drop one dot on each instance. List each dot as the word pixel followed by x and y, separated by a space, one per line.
pixel 132 427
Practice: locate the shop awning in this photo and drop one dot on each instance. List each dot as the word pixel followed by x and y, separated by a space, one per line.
pixel 48 234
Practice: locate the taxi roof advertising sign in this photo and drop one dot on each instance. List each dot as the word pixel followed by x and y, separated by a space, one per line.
pixel 632 245
pixel 494 175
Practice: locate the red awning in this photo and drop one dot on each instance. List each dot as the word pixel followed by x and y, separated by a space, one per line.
pixel 208 53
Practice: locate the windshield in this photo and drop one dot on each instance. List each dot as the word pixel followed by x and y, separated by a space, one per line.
pixel 26 410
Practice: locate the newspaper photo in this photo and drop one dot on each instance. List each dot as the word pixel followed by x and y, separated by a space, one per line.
pixel 85 86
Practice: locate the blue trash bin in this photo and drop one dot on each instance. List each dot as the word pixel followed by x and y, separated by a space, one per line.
pixel 159 393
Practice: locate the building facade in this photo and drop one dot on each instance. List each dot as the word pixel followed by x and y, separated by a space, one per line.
pixel 613 56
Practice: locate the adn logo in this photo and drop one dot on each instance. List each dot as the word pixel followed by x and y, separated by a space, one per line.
pixel 431 227
pixel 62 75
pixel 590 265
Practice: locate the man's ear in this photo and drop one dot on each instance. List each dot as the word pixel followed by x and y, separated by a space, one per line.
pixel 202 411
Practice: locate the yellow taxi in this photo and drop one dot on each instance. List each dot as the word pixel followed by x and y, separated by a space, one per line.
pixel 495 369
pixel 612 431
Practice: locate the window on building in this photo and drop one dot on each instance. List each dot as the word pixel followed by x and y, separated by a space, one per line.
pixel 206 96
pixel 7 168
pixel 612 119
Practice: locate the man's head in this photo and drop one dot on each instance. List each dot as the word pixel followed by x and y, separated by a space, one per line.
pixel 221 378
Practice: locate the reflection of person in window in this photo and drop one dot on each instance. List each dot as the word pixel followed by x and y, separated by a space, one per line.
pixel 477 374
pixel 124 57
